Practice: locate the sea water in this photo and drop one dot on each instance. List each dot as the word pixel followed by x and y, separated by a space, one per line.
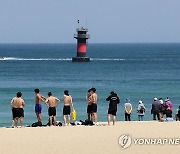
pixel 134 71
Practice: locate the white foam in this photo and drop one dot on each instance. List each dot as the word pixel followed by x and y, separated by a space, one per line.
pixel 36 59
pixel 106 59
pixel 69 59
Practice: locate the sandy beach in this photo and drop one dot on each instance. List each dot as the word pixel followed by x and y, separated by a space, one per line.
pixel 88 139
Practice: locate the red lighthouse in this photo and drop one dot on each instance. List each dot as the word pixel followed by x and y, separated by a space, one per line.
pixel 81 37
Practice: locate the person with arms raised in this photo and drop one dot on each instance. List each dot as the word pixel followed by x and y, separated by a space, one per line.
pixel 113 101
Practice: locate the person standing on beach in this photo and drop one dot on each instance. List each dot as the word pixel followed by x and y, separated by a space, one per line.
pixel 51 104
pixel 93 101
pixel 67 109
pixel 168 112
pixel 168 104
pixel 141 111
pixel 38 108
pixel 156 106
pixel 163 109
pixel 177 115
pixel 127 110
pixel 89 105
pixel 17 104
pixel 113 101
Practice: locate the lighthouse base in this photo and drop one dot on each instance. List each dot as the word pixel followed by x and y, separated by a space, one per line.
pixel 80 59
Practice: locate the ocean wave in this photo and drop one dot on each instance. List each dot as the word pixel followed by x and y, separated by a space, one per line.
pixel 36 59
pixel 70 59
pixel 106 59
pixel 117 59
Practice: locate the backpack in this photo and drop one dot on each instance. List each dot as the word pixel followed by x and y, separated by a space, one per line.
pixel 36 124
pixel 142 109
pixel 88 123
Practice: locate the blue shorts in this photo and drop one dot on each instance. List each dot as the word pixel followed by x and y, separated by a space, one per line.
pixel 38 108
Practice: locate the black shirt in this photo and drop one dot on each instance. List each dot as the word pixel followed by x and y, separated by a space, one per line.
pixel 114 100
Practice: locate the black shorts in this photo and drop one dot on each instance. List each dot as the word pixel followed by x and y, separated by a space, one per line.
pixel 18 112
pixel 89 109
pixel 94 108
pixel 66 110
pixel 52 111
pixel 112 111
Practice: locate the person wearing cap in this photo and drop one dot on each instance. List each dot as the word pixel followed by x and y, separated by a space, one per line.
pixel 168 104
pixel 113 101
pixel 127 110
pixel 141 111
pixel 156 109
pixel 163 109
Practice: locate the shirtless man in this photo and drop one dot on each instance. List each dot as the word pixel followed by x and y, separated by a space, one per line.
pixel 51 104
pixel 38 107
pixel 67 109
pixel 17 104
pixel 89 106
pixel 93 101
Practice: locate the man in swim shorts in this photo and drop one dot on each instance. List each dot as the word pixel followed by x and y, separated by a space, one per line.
pixel 114 100
pixel 67 108
pixel 93 101
pixel 17 104
pixel 51 103
pixel 38 108
pixel 89 106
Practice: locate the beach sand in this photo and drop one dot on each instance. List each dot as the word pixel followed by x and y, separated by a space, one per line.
pixel 88 139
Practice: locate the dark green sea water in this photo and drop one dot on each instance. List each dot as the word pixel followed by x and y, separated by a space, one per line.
pixel 134 71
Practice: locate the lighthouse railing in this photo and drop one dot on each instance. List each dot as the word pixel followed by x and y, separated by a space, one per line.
pixel 86 36
pixel 82 29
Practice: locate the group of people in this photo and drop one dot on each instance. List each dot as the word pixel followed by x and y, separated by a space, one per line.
pixel 128 110
pixel 114 100
pixel 17 105
pixel 159 108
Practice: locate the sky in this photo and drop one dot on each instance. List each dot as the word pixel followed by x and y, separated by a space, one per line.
pixel 108 21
